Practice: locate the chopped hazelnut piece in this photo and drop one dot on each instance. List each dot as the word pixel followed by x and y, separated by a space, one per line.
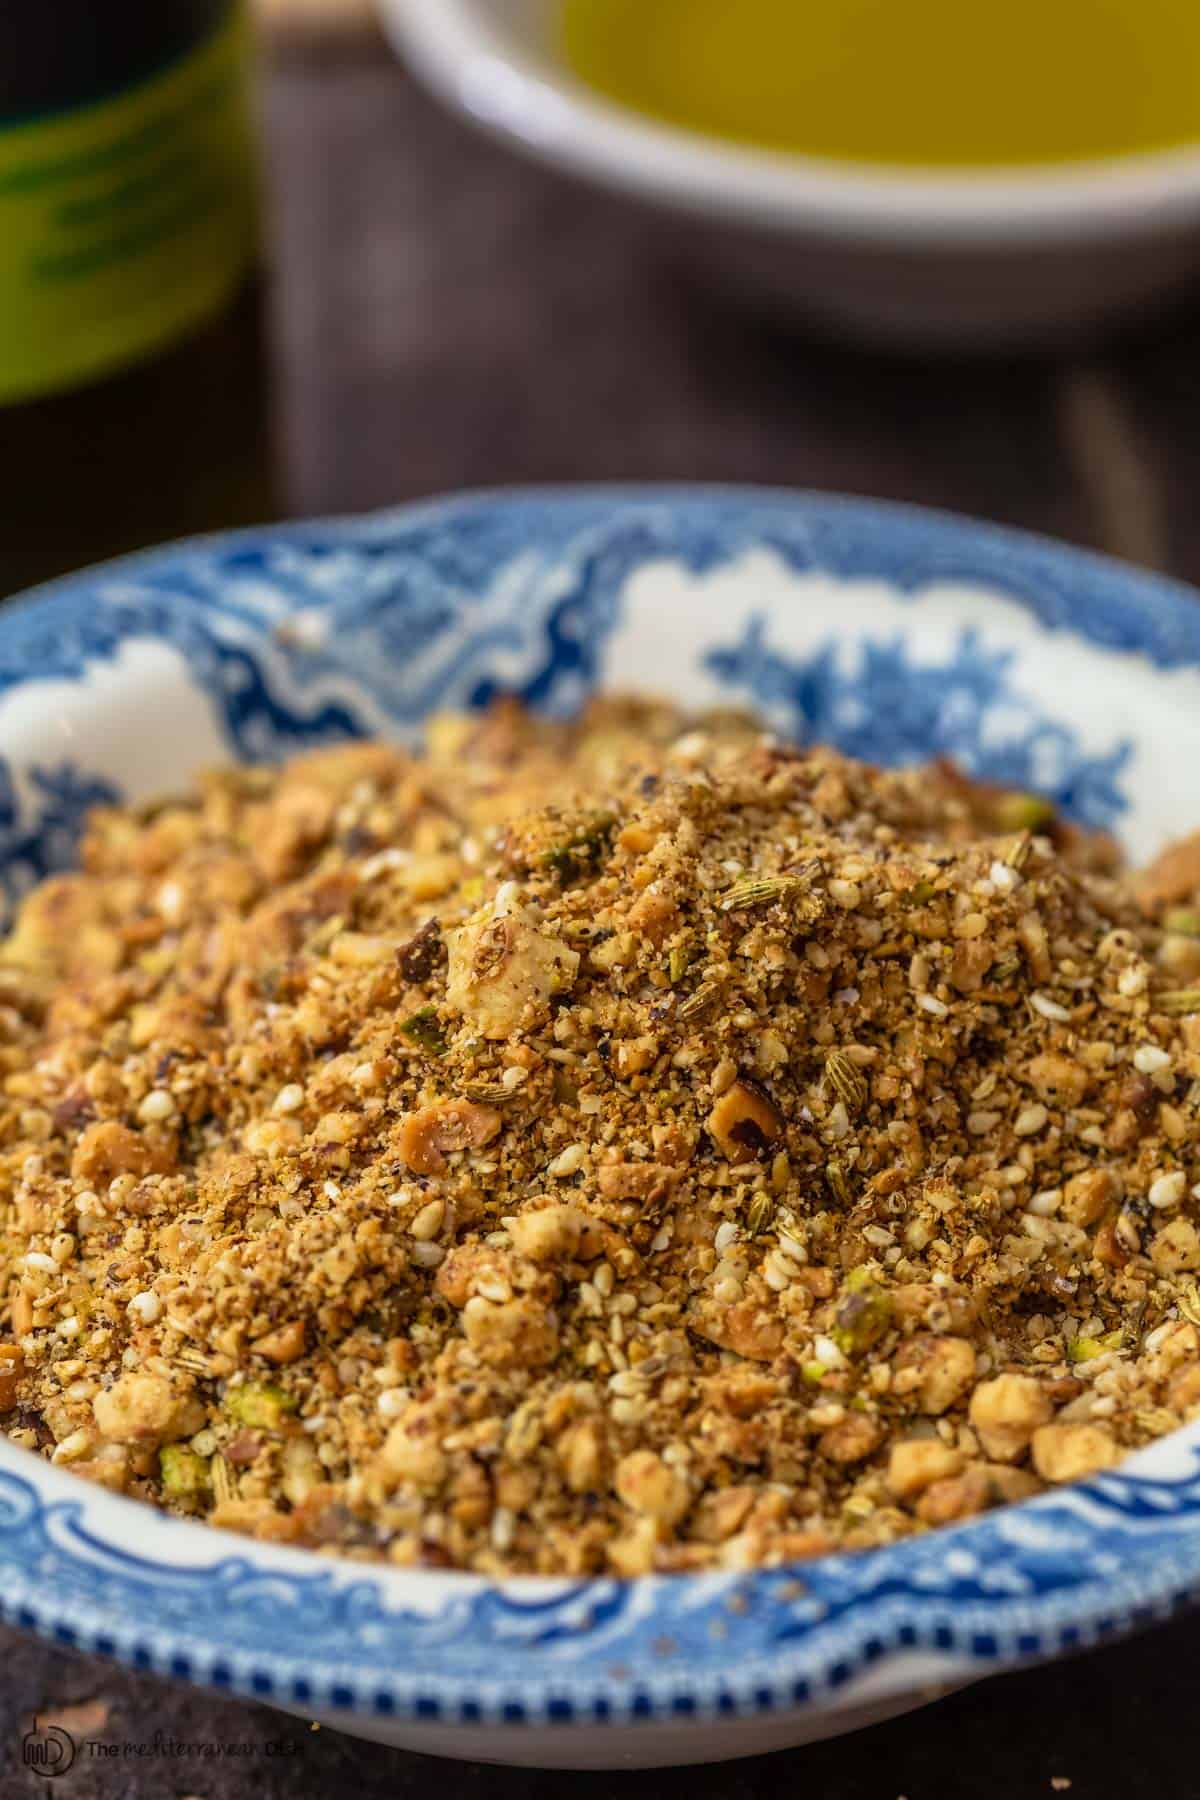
pixel 646 1485
pixel 916 1463
pixel 430 1135
pixel 12 1367
pixel 284 1344
pixel 957 1497
pixel 142 1409
pixel 504 970
pixel 1069 1452
pixel 944 1368
pixel 1006 1412
pixel 1176 1248
pixel 744 1121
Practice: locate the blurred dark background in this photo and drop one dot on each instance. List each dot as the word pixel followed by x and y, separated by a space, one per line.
pixel 448 315
pixel 437 313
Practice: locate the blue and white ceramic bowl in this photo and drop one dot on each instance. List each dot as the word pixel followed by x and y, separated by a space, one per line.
pixel 892 634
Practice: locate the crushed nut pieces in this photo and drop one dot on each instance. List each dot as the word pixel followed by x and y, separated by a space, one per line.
pixel 634 1145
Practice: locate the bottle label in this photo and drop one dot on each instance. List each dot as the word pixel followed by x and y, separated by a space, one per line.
pixel 129 219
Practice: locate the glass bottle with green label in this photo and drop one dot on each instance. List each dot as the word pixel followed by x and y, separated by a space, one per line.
pixel 132 377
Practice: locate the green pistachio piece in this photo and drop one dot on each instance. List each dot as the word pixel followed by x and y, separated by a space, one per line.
pixel 862 1318
pixel 423 1030
pixel 184 1472
pixel 583 850
pixel 1082 1349
pixel 259 1405
pixel 1023 812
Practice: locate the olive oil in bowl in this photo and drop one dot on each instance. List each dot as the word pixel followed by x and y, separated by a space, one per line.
pixel 981 84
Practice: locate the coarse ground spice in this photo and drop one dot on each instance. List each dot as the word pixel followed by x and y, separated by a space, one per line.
pixel 628 1145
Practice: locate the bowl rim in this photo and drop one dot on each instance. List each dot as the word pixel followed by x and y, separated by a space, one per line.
pixel 105 1573
pixel 465 54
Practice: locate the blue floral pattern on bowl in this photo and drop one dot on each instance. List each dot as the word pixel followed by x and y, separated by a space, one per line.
pixel 895 635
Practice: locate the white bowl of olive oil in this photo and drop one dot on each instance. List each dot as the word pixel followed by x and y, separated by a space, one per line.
pixel 1000 171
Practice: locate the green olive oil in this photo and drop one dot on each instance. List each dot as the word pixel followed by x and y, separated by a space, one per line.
pixel 934 83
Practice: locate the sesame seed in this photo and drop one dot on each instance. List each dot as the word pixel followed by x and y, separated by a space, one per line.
pixel 723 1076
pixel 838 1121
pixel 777 1274
pixel 428 1222
pixel 626 1382
pixel 289 1099
pixel 1168 1190
pixel 1030 1120
pixel 980 1122
pixel 382 863
pixel 827 1413
pixel 72 1448
pixel 169 901
pixel 157 1106
pixel 503 1528
pixel 1050 1009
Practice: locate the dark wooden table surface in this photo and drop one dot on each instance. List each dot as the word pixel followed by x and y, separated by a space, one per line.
pixel 445 316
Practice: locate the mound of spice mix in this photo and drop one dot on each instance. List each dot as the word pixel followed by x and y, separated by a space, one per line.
pixel 621 1146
